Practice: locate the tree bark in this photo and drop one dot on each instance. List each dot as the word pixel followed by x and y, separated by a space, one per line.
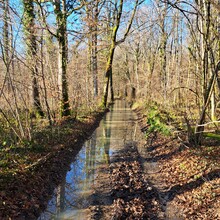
pixel 6 42
pixel 31 42
pixel 61 19
pixel 94 49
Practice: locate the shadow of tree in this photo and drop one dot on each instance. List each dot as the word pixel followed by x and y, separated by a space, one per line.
pixel 211 142
pixel 132 148
pixel 165 156
pixel 179 189
pixel 98 198
pixel 154 147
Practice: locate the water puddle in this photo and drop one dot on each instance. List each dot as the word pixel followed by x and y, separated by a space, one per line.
pixel 72 196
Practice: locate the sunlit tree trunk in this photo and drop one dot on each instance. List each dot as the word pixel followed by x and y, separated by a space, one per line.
pixel 137 54
pixel 61 18
pixel 163 47
pixel 44 80
pixel 89 53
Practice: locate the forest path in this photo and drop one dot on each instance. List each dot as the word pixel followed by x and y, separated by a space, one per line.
pixel 113 176
pixel 129 187
pixel 79 193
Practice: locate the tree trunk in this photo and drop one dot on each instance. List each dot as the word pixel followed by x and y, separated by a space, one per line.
pixel 6 42
pixel 108 77
pixel 31 42
pixel 44 81
pixel 94 50
pixel 200 128
pixel 62 57
pixel 108 74
pixel 137 60
pixel 163 46
pixel 105 95
pixel 62 80
pixel 164 62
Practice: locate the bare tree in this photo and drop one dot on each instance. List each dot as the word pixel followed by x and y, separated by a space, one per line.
pixel 117 14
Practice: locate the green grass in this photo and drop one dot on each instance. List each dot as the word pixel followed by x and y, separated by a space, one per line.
pixel 213 136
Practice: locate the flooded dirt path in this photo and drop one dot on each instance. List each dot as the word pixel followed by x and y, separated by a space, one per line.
pixel 76 193
pixel 107 179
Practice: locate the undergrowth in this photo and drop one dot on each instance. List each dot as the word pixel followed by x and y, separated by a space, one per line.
pixel 156 122
pixel 158 119
pixel 16 155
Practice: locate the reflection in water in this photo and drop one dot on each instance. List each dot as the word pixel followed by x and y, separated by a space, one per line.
pixel 71 197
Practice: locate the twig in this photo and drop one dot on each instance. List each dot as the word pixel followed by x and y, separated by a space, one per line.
pixel 211 122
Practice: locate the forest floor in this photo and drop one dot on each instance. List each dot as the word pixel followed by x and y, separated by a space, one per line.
pixel 30 172
pixel 160 178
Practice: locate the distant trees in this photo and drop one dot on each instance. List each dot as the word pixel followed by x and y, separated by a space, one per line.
pixel 36 14
pixel 93 10
pixel 203 50
pixel 179 62
pixel 166 51
pixel 115 24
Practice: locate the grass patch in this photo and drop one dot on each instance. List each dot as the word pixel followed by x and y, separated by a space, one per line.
pixel 156 122
pixel 211 135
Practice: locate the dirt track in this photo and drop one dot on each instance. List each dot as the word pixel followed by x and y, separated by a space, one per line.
pixel 159 178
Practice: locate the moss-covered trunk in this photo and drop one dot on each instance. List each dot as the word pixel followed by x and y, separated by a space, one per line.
pixel 61 19
pixel 108 77
pixel 117 13
pixel 108 72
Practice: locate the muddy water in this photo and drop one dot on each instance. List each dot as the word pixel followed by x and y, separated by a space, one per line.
pixel 72 197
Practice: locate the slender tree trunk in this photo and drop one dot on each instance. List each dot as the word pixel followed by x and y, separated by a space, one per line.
pixel 164 63
pixel 92 19
pixel 106 87
pixel 44 82
pixel 6 42
pixel 163 46
pixel 31 42
pixel 94 50
pixel 137 60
